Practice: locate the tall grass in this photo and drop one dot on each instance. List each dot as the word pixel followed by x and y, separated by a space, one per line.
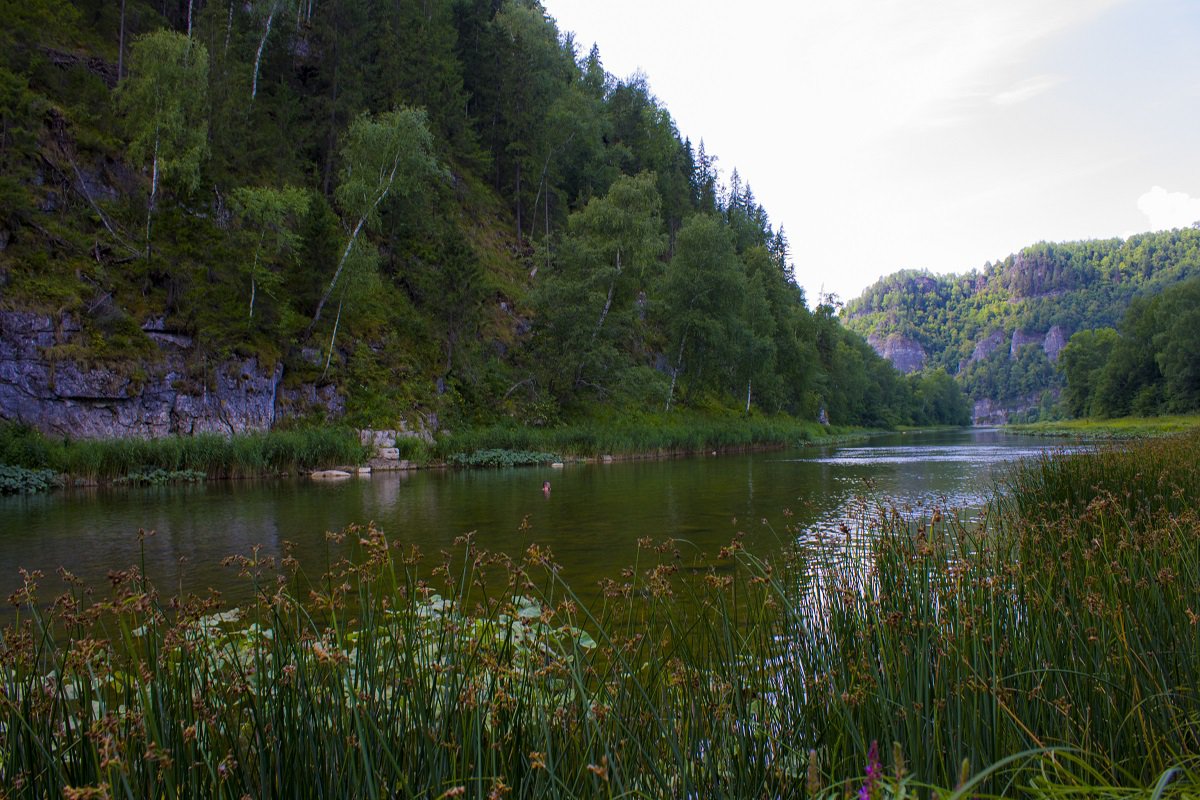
pixel 1049 650
pixel 663 434
pixel 1117 428
pixel 243 455
pixel 1067 618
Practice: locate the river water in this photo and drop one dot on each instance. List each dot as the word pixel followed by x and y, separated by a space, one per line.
pixel 592 518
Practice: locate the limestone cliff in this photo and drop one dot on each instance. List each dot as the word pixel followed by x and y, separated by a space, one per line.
pixel 169 393
pixel 906 354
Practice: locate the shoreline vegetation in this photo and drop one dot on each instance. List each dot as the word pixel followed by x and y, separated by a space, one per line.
pixel 1048 650
pixel 31 462
pixel 1111 429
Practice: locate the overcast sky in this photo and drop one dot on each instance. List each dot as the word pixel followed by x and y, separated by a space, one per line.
pixel 935 134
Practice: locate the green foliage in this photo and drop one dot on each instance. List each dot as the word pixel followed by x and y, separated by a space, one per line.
pixel 501 458
pixel 1081 364
pixel 703 291
pixel 965 323
pixel 1111 429
pixel 19 480
pixel 161 477
pixel 436 207
pixel 679 432
pixel 1151 367
pixel 993 654
pixel 165 103
pixel 269 219
pixel 21 445
pixel 938 400
pixel 182 457
pixel 587 303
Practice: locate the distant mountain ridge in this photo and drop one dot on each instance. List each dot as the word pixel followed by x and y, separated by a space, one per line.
pixel 1000 330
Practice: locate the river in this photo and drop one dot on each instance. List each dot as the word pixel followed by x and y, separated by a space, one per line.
pixel 591 520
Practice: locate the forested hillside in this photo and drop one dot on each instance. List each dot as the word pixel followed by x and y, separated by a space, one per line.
pixel 445 209
pixel 1000 331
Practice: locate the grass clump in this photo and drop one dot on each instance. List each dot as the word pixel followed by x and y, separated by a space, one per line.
pixel 677 433
pixel 243 455
pixel 1065 619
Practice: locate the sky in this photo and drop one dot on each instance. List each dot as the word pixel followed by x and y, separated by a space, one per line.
pixel 926 134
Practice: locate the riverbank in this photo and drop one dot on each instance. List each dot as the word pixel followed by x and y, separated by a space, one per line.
pixel 1110 429
pixel 680 433
pixel 909 656
pixel 36 462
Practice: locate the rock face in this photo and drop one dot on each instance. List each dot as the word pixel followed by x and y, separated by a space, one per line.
pixel 160 397
pixel 385 443
pixel 906 354
pixel 1055 341
pixel 991 412
pixel 986 346
pixel 1021 338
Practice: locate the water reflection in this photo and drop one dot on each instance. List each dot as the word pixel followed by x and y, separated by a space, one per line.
pixel 591 521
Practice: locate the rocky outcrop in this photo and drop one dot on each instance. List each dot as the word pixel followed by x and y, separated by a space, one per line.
pixel 1055 341
pixel 384 443
pixel 985 347
pixel 991 412
pixel 1019 339
pixel 166 394
pixel 907 355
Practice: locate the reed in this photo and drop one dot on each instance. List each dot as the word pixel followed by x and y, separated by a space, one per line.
pixel 1047 649
pixel 651 435
pixel 216 456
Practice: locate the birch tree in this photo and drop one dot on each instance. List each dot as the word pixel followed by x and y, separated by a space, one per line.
pixel 165 102
pixel 607 260
pixel 268 219
pixel 702 296
pixel 266 10
pixel 387 154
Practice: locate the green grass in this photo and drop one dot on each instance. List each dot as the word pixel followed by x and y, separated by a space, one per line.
pixel 1121 428
pixel 215 456
pixel 1049 650
pixel 678 433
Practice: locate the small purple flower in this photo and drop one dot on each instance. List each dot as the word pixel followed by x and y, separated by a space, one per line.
pixel 874 770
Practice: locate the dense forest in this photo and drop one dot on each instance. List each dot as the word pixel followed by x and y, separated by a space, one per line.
pixel 444 206
pixel 1001 331
pixel 1149 365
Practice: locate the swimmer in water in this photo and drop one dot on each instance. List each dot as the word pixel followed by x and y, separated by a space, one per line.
pixel 546 488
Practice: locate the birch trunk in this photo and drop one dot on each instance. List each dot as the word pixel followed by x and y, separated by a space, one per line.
pixel 675 372
pixel 258 55
pixel 153 193
pixel 254 274
pixel 612 287
pixel 333 338
pixel 362 221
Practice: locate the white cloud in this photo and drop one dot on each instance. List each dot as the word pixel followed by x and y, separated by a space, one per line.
pixel 1167 210
pixel 882 115
pixel 1026 90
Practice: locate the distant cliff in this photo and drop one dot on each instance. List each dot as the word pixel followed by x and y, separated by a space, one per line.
pixel 1000 330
